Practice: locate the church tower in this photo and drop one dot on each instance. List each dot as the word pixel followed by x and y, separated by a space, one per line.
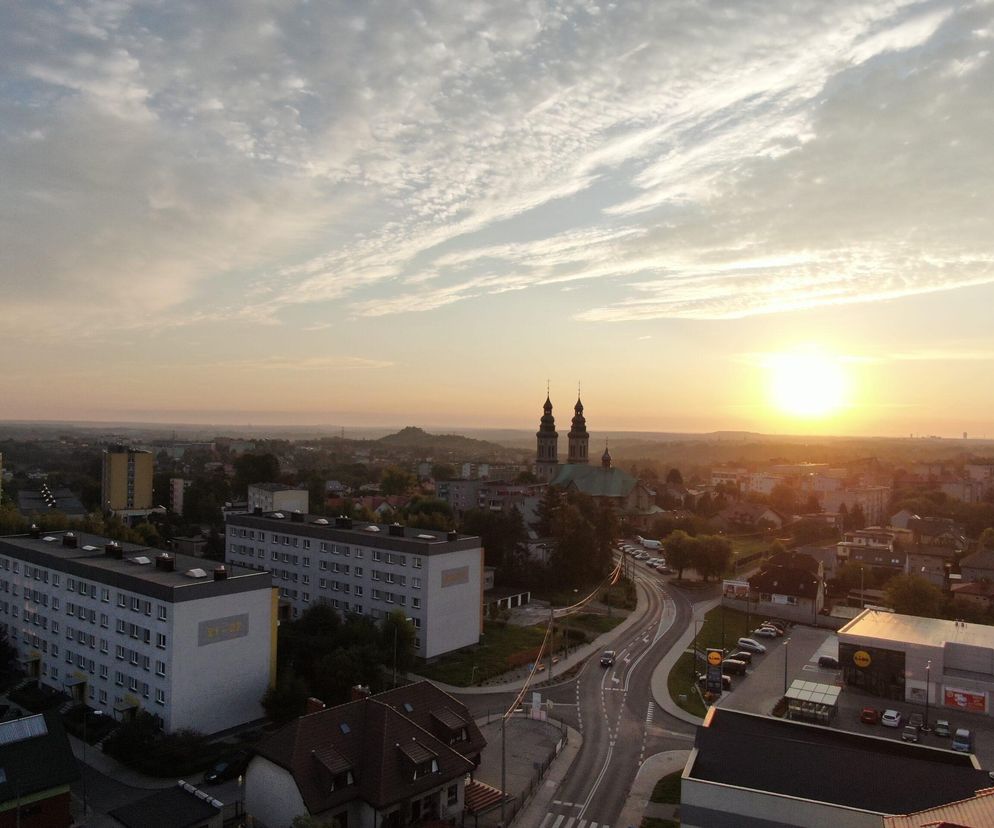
pixel 578 437
pixel 547 457
pixel 606 458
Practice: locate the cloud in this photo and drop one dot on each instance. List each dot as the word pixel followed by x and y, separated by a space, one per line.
pixel 179 165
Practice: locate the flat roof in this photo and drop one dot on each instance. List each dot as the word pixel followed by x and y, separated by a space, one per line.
pixel 169 808
pixel 276 487
pixel 910 629
pixel 412 540
pixel 823 764
pixel 88 560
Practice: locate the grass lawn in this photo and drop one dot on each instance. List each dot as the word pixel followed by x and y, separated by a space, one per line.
pixel 667 789
pixel 490 658
pixel 595 624
pixel 680 680
pixel 746 546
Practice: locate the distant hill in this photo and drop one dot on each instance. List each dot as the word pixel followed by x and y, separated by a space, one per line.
pixel 412 437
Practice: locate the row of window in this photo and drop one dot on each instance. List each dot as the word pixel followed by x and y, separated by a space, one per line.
pixel 324 546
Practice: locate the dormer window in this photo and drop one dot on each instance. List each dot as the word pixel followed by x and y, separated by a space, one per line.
pixel 425 768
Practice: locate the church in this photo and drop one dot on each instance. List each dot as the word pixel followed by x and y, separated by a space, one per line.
pixel 631 498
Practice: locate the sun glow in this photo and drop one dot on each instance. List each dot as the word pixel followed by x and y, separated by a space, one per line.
pixel 806 383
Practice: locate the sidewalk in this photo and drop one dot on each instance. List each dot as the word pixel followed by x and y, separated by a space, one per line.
pixel 109 766
pixel 660 690
pixel 538 806
pixel 651 771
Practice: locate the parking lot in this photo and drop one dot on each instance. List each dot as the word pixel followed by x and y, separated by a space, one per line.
pixel 764 686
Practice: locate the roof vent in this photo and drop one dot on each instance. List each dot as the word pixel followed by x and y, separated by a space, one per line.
pixel 452 536
pixel 165 562
pixel 141 560
pixel 113 550
pixel 424 536
pixel 90 548
pixel 396 530
pixel 195 573
pixel 321 522
pixel 297 516
pixel 34 531
pixel 220 573
pixel 69 539
pixel 278 515
pixel 372 528
pixel 49 538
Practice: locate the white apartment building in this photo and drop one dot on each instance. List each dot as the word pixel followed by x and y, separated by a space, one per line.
pixel 271 497
pixel 122 627
pixel 434 577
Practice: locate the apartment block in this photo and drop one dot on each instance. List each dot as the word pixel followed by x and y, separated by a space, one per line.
pixel 126 483
pixel 272 497
pixel 122 627
pixel 435 578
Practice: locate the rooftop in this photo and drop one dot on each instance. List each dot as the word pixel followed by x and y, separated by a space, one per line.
pixel 827 765
pixel 910 629
pixel 135 570
pixel 34 756
pixel 177 807
pixel 276 487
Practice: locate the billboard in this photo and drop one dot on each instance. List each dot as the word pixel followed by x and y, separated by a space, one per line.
pixel 713 681
pixel 735 589
pixel 970 701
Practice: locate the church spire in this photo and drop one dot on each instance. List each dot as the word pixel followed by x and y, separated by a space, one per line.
pixel 579 440
pixel 547 439
pixel 606 457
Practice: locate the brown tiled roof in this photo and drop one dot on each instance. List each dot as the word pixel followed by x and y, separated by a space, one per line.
pixel 373 739
pixel 437 712
pixel 784 581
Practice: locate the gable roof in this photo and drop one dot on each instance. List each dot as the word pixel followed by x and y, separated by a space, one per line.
pixel 795 560
pixel 976 811
pixel 34 756
pixel 379 744
pixel 981 559
pixel 434 710
pixel 595 480
pixel 785 580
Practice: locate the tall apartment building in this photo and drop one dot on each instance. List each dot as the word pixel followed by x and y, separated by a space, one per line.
pixel 274 497
pixel 434 577
pixel 177 492
pixel 122 627
pixel 126 479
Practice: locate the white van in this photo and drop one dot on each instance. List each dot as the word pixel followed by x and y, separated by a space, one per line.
pixel 652 544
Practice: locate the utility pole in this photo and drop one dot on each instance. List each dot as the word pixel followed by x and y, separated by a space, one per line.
pixel 503 767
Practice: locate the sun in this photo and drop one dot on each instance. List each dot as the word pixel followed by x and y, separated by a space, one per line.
pixel 806 383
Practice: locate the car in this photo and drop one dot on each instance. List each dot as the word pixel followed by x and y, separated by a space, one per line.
pixel 766 625
pixel 230 768
pixel 869 715
pixel 665 570
pixel 828 662
pixel 741 655
pixel 607 658
pixel 734 667
pixel 765 632
pixel 780 625
pixel 916 720
pixel 751 644
pixel 891 718
pixel 941 727
pixel 962 740
pixel 909 734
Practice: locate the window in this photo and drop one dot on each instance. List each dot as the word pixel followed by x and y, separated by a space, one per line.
pixel 56 603
pixel 376 555
pixel 122 599
pixel 160 668
pixel 70 582
pixel 160 641
pixel 358 571
pixel 307 561
pixel 103 671
pixel 103 696
pixel 104 594
pixel 104 646
pixel 358 592
pixel 307 545
pixel 121 626
pixel 417 562
pixel 136 603
pixel 323 566
pixel 359 553
pixel 119 652
pixel 452 795
pixel 416 583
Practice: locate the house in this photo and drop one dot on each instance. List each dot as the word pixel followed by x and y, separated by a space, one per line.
pixel 899 520
pixel 380 761
pixel 791 585
pixel 271 497
pixel 978 567
pixel 749 515
pixel 36 768
pixel 979 594
pixel 933 563
pixel 876 547
pixel 938 532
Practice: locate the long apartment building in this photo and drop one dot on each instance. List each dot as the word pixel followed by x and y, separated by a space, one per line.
pixel 434 577
pixel 122 627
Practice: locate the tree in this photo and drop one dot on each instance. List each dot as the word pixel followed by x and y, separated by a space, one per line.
pixel 397 636
pixel 681 551
pixel 442 471
pixel 287 699
pixel 8 657
pixel 526 478
pixel 857 517
pixel 912 595
pixel 674 478
pixel 502 534
pixel 812 505
pixel 783 498
pixel 396 481
pixel 255 468
pixel 713 555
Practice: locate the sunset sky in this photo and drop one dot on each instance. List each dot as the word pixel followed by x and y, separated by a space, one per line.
pixel 418 213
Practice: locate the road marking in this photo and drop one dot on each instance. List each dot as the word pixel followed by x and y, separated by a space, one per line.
pixel 545 821
pixel 597 781
pixel 570 821
pixel 559 821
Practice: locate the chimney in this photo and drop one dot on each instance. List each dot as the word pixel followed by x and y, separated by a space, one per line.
pixel 257 510
pixel 69 539
pixel 396 530
pixel 453 536
pixel 359 692
pixel 314 706
pixel 296 516
pixel 34 531
pixel 114 550
pixel 220 573
pixel 165 562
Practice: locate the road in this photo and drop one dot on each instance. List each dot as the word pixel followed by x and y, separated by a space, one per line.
pixel 614 710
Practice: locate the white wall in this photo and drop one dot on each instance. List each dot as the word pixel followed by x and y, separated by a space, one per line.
pixel 452 613
pixel 219 685
pixel 271 795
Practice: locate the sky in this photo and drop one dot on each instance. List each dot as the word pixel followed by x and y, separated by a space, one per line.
pixel 421 213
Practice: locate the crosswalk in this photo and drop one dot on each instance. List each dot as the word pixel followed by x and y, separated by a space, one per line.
pixel 553 820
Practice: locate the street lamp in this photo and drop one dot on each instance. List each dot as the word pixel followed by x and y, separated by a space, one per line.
pixel 928 692
pixel 786 641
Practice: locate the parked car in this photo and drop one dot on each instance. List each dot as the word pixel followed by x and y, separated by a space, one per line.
pixel 734 667
pixel 765 632
pixel 726 681
pixel 941 727
pixel 780 625
pixel 869 715
pixel 909 734
pixel 766 625
pixel 741 655
pixel 230 768
pixel 665 570
pixel 891 718
pixel 916 720
pixel 607 658
pixel 828 662
pixel 750 644
pixel 962 740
